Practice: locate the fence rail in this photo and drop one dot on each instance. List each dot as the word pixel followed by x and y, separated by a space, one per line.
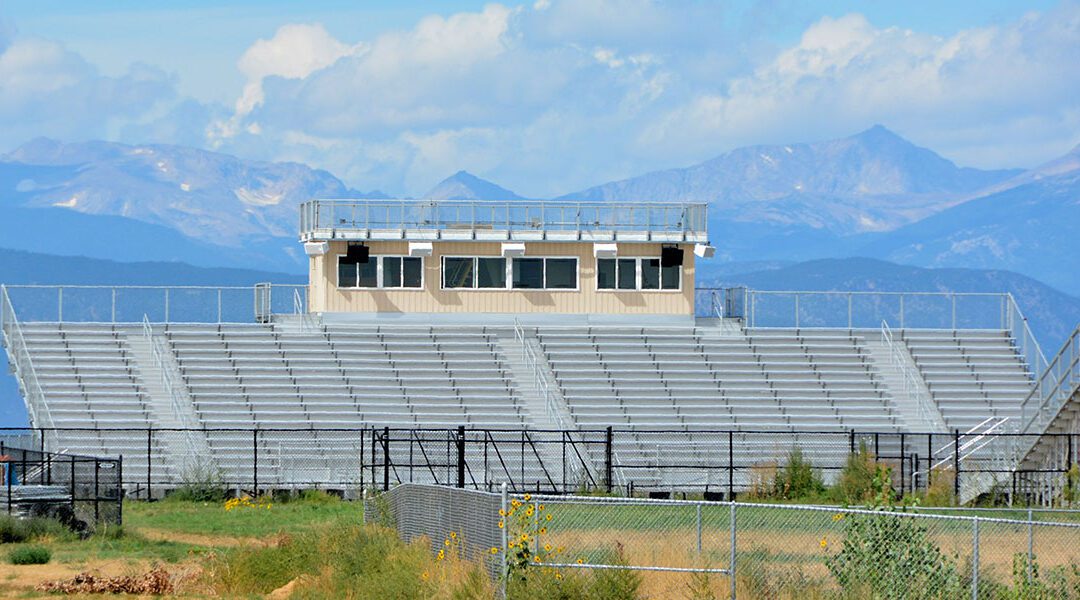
pixel 720 464
pixel 746 550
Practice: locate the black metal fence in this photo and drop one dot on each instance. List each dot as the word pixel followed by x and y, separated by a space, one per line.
pixel 81 491
pixel 627 461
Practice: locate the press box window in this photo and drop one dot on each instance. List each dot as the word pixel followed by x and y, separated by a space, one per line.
pixel 483 272
pixel 636 274
pixel 397 272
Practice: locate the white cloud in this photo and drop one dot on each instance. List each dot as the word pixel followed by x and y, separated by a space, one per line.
pixel 845 74
pixel 47 90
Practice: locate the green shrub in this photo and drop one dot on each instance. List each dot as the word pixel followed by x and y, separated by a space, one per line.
pixel 797 478
pixel 856 482
pixel 29 555
pixel 941 490
pixel 201 481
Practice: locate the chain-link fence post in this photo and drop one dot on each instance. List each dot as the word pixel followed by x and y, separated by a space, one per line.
pixel 975 559
pixel 731 562
pixel 120 491
pixel 698 519
pixel 1030 544
pixel 255 462
pixel 149 448
pixel 504 514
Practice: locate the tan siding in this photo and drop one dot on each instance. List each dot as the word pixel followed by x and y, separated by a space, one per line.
pixel 326 297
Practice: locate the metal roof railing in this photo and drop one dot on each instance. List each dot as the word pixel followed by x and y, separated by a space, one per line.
pixel 493 220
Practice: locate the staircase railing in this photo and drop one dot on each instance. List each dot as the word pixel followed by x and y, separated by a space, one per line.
pixel 1027 345
pixel 159 351
pixel 20 355
pixel 534 365
pixel 1057 383
pixel 928 413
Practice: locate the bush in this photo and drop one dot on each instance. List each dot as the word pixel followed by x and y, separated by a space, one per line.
pixel 201 482
pixel 941 490
pixel 796 480
pixel 856 483
pixel 14 530
pixel 29 555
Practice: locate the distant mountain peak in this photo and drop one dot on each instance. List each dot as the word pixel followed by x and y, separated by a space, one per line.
pixel 463 185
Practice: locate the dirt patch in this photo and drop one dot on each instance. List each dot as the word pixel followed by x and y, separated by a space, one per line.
pixel 199 539
pixel 286 590
pixel 18 580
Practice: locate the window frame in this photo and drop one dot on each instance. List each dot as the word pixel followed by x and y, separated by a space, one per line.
pixel 378 258
pixel 638 263
pixel 509 274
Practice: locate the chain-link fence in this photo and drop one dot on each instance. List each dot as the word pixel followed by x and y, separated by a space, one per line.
pixel 692 548
pixel 629 462
pixel 81 491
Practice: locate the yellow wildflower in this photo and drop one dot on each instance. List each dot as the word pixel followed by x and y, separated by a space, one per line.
pixel 536 558
pixel 441 555
pixel 528 497
pixel 838 516
pixel 547 516
pixel 824 543
pixel 581 561
pixel 558 576
pixel 547 547
pixel 453 535
pixel 446 543
pixel 502 512
pixel 541 507
pixel 494 550
pixel 502 524
pixel 424 576
pixel 524 537
pixel 529 512
pixel 543 530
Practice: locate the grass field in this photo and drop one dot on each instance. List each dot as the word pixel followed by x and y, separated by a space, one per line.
pixel 288 549
pixel 177 535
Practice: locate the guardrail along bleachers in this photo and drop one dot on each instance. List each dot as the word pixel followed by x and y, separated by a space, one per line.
pixel 687 379
pixel 338 376
pixel 90 381
pixel 971 374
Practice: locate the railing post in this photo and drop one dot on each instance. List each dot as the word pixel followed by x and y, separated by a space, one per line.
pixel 461 456
pixel 849 321
pixel 956 464
pixel 796 311
pixel 608 459
pixel 113 305
pixel 60 304
pixel 901 311
pixel 386 459
pixel 219 305
pixel 166 305
pixel 953 296
pixel 731 466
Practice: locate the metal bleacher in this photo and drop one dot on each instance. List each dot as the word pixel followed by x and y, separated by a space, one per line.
pixel 971 374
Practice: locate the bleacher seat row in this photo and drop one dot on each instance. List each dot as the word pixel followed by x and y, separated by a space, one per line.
pixel 641 379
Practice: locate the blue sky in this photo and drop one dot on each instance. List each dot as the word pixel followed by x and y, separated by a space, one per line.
pixel 544 97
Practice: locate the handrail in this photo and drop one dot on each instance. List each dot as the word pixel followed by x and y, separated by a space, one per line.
pixel 325 217
pixel 1053 388
pixel 157 351
pixel 912 385
pixel 1024 337
pixel 17 348
pixel 971 445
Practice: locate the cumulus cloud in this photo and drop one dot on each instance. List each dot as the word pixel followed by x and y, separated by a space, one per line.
pixel 48 90
pixel 845 72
